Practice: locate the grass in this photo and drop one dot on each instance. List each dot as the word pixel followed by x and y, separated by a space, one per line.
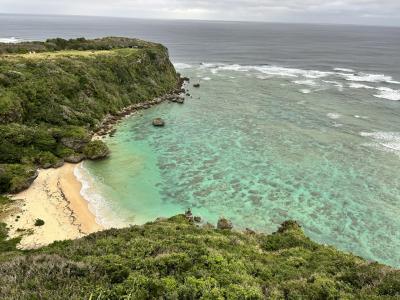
pixel 67 54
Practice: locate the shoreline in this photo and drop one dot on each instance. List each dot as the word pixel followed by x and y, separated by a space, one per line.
pixel 55 198
pixel 107 125
pixel 55 195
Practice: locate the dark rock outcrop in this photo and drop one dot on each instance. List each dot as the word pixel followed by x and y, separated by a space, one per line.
pixel 158 122
pixel 189 215
pixel 250 231
pixel 224 224
pixel 288 225
pixel 75 143
pixel 24 181
pixel 74 158
pixel 96 150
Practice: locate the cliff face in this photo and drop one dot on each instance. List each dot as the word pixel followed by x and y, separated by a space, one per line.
pixel 53 93
pixel 177 259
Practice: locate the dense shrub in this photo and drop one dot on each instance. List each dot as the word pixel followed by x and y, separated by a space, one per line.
pixel 39 222
pixel 95 150
pixel 16 177
pixel 175 259
pixel 58 44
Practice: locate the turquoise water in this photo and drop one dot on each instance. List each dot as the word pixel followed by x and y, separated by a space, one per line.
pixel 258 144
pixel 261 145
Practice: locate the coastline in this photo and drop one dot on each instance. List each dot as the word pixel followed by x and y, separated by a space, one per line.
pixel 55 198
pixel 55 195
pixel 107 125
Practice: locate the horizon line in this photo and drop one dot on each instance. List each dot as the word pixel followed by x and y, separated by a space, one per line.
pixel 200 20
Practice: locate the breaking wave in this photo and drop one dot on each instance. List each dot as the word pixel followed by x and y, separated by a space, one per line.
pixel 332 79
pixel 11 40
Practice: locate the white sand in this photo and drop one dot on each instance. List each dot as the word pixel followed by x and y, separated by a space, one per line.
pixel 55 198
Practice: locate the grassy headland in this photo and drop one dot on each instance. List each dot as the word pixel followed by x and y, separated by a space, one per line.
pixel 54 93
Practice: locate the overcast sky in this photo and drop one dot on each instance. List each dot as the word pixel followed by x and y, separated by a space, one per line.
pixel 379 12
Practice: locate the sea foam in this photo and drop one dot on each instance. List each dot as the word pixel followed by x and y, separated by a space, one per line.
pixel 314 78
pixel 305 82
pixel 266 69
pixel 366 77
pixel 11 40
pixel 333 116
pixel 360 86
pixel 344 70
pixel 341 73
pixel 182 66
pixel 105 215
pixel 338 85
pixel 390 141
pixel 388 93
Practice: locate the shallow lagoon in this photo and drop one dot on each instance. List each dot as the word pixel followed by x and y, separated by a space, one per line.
pixel 262 148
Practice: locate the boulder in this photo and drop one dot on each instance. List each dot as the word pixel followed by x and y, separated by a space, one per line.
pixel 24 179
pixel 189 215
pixel 96 150
pixel 158 122
pixel 112 132
pixel 58 163
pixel 197 219
pixel 74 158
pixel 224 224
pixel 250 231
pixel 289 225
pixel 196 85
pixel 75 143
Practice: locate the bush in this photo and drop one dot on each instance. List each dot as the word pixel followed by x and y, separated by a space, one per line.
pixel 175 259
pixel 39 222
pixel 96 150
pixel 16 177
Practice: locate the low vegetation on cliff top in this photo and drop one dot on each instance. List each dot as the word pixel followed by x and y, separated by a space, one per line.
pixel 54 93
pixel 177 259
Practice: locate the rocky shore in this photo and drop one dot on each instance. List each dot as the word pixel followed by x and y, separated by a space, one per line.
pixel 107 126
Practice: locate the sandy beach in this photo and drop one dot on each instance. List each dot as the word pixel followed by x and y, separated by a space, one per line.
pixel 55 198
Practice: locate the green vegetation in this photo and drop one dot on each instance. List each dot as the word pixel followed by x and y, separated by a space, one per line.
pixel 54 93
pixel 50 101
pixel 39 222
pixel 95 150
pixel 80 44
pixel 176 259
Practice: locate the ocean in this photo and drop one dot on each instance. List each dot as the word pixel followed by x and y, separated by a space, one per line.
pixel 291 121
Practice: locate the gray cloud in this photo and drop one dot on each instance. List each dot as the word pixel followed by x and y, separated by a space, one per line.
pixel 381 12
